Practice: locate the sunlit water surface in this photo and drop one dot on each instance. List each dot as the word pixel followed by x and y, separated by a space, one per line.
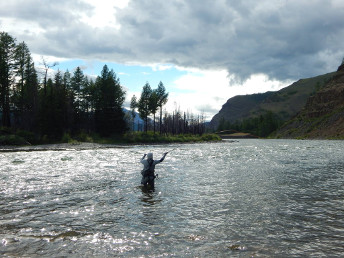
pixel 259 198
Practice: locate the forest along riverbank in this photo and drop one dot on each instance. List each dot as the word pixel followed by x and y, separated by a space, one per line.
pixel 233 198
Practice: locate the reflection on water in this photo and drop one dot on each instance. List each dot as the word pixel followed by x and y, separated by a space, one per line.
pixel 247 198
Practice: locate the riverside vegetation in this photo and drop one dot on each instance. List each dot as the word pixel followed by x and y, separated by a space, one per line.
pixel 20 138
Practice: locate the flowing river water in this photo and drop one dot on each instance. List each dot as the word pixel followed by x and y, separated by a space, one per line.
pixel 246 198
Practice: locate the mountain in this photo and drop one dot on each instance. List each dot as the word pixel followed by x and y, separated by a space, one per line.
pixel 285 103
pixel 323 115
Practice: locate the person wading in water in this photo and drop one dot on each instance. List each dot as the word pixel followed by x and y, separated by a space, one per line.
pixel 147 173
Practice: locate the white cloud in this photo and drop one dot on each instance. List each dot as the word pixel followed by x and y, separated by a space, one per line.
pixel 207 90
pixel 161 67
pixel 104 13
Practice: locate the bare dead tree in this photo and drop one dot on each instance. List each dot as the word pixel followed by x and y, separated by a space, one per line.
pixel 46 68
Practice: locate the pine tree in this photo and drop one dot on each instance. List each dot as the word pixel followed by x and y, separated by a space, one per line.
pixel 30 98
pixel 143 104
pixel 25 93
pixel 7 74
pixel 153 105
pixel 110 96
pixel 162 100
pixel 133 106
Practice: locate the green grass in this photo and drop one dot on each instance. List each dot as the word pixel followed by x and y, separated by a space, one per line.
pixel 19 137
pixel 140 138
pixel 150 137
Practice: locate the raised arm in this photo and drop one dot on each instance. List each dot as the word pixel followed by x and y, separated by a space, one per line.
pixel 163 157
pixel 143 156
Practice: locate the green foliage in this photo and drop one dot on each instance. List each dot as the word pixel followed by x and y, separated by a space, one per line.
pixel 151 137
pixel 12 140
pixel 28 136
pixel 261 126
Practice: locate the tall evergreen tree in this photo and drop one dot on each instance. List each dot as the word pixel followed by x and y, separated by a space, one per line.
pixel 153 105
pixel 21 54
pixel 30 98
pixel 78 85
pixel 25 93
pixel 78 81
pixel 144 104
pixel 133 106
pixel 109 115
pixel 69 115
pixel 162 100
pixel 7 74
pixel 59 105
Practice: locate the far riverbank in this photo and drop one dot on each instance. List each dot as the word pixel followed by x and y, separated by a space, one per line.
pixel 13 142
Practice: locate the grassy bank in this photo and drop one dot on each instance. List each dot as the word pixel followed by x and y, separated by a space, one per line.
pixel 150 137
pixel 10 137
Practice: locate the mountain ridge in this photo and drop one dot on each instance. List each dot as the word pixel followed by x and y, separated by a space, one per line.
pixel 285 103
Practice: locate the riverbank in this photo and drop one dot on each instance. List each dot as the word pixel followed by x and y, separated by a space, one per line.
pixel 13 142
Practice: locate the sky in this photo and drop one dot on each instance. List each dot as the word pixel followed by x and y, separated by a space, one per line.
pixel 204 52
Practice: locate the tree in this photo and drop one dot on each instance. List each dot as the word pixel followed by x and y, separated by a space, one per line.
pixel 25 92
pixel 162 100
pixel 59 100
pixel 78 85
pixel 144 104
pixel 30 96
pixel 21 54
pixel 78 81
pixel 7 74
pixel 153 105
pixel 133 106
pixel 46 69
pixel 109 99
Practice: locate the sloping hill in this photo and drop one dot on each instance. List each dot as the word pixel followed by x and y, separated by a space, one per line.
pixel 239 107
pixel 323 115
pixel 286 102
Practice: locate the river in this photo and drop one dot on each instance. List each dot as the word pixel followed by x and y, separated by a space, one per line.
pixel 245 198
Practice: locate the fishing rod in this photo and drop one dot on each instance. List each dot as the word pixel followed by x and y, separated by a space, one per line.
pixel 170 150
pixel 166 152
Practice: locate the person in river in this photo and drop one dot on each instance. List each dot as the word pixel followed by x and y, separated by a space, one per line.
pixel 147 173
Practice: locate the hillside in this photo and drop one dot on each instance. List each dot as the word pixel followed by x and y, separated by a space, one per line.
pixel 323 115
pixel 286 103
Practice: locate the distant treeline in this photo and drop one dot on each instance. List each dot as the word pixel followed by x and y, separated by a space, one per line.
pixel 72 103
pixel 261 126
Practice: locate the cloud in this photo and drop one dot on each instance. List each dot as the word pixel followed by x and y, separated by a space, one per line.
pixel 205 91
pixel 283 39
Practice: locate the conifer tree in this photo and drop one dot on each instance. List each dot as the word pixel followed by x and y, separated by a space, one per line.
pixel 7 75
pixel 133 106
pixel 153 105
pixel 144 104
pixel 109 98
pixel 162 100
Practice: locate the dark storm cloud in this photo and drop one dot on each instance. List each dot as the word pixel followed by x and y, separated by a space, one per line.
pixel 285 39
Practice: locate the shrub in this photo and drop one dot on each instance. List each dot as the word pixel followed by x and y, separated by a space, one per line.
pixel 12 140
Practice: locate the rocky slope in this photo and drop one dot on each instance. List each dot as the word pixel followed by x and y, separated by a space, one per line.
pixel 323 115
